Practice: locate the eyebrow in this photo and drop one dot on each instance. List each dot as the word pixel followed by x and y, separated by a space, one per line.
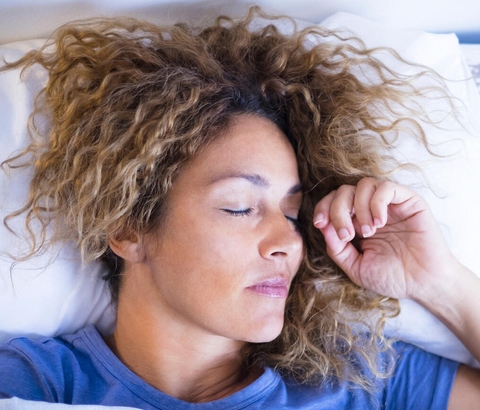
pixel 256 180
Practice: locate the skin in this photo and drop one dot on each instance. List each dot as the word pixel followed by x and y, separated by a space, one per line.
pixel 188 285
pixel 229 227
pixel 403 254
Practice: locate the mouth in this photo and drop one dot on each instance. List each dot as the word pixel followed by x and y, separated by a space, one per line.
pixel 275 287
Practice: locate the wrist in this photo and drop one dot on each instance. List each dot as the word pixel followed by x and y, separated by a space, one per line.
pixel 452 297
pixel 457 305
pixel 447 288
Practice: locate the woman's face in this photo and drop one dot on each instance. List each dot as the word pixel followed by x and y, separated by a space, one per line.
pixel 224 257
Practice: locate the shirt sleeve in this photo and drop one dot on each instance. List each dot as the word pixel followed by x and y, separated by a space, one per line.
pixel 20 376
pixel 420 380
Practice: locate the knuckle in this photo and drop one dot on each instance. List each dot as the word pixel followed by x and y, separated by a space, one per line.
pixel 387 185
pixel 325 202
pixel 345 187
pixel 346 190
pixel 367 181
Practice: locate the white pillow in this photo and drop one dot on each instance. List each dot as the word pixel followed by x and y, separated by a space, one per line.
pixel 39 297
pixel 454 194
pixel 50 298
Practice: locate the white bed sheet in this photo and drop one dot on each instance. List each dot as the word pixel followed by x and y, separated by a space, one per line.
pixel 18 404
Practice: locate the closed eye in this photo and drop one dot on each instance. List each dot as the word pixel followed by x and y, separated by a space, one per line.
pixel 241 212
pixel 295 222
pixel 248 211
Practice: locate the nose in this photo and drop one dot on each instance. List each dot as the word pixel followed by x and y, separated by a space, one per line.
pixel 280 238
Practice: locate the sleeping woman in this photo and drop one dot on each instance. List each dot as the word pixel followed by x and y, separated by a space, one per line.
pixel 235 180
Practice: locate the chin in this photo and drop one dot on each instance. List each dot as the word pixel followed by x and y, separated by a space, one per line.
pixel 267 333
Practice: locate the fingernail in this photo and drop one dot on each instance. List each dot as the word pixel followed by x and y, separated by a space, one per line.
pixel 366 231
pixel 319 219
pixel 343 234
pixel 377 223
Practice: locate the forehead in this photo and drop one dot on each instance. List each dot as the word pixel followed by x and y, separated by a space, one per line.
pixel 249 141
pixel 251 146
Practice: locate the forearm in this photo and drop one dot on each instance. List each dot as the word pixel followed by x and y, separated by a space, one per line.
pixel 456 302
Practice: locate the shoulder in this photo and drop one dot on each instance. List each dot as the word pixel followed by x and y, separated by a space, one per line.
pixel 46 350
pixel 324 395
pixel 420 377
pixel 36 348
pixel 43 369
pixel 410 358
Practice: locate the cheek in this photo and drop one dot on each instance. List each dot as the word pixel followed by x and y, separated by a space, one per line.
pixel 212 238
pixel 201 260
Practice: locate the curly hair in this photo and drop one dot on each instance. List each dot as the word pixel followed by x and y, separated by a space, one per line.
pixel 128 103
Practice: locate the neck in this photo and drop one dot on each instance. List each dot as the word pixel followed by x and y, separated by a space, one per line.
pixel 174 358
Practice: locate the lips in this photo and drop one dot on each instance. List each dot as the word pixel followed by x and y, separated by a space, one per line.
pixel 275 287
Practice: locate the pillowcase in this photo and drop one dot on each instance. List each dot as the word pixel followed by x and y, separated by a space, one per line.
pixel 451 182
pixel 54 294
pixel 50 294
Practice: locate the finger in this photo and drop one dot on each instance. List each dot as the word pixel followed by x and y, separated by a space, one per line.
pixel 387 193
pixel 344 254
pixel 364 193
pixel 321 214
pixel 341 212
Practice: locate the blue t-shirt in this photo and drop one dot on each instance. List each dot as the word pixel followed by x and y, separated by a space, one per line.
pixel 81 369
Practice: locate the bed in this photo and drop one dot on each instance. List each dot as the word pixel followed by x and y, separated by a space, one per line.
pixel 55 294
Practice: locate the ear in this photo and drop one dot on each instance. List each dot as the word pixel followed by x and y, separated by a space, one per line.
pixel 130 247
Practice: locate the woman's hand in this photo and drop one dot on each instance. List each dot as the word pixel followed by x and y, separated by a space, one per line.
pixel 401 251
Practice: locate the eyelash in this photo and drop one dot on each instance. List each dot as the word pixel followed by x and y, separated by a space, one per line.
pixel 295 222
pixel 242 212
pixel 248 211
